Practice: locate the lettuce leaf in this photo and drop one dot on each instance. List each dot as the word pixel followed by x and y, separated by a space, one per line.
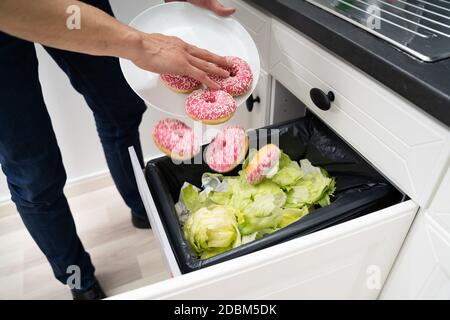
pixel 262 213
pixel 212 230
pixel 269 187
pixel 315 187
pixel 291 215
pixel 289 172
pixel 327 193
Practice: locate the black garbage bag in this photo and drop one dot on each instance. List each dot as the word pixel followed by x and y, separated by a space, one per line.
pixel 360 189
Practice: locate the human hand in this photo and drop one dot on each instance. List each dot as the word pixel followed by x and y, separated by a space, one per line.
pixel 213 5
pixel 166 54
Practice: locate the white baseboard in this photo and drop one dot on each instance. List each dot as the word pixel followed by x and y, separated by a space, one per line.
pixel 7 208
pixel 73 188
pixel 89 183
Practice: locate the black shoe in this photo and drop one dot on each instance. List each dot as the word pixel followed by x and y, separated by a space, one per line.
pixel 140 222
pixel 95 292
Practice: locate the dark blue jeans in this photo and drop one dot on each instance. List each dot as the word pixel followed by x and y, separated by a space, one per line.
pixel 29 153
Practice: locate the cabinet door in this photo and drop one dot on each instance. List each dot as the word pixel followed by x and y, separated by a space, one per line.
pixel 256 116
pixel 422 270
pixel 257 24
pixel 405 144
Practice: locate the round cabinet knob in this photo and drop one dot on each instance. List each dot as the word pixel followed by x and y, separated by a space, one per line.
pixel 251 101
pixel 321 99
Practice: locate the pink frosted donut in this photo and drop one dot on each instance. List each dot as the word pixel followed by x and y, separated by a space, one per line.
pixel 176 139
pixel 240 79
pixel 227 149
pixel 262 163
pixel 181 84
pixel 210 106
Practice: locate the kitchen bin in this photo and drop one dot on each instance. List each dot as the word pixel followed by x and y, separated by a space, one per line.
pixel 360 189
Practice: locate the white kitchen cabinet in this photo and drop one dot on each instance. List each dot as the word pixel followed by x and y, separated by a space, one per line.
pixel 257 24
pixel 259 116
pixel 408 146
pixel 422 270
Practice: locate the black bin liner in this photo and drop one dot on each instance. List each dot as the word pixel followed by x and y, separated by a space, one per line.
pixel 359 188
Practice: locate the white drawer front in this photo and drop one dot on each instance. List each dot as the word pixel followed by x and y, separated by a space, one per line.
pixel 257 24
pixel 155 220
pixel 440 206
pixel 422 270
pixel 405 144
pixel 425 256
pixel 349 260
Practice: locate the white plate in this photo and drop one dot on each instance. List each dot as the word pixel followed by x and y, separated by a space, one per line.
pixel 200 27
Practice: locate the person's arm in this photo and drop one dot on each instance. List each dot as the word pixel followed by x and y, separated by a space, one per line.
pixel 44 22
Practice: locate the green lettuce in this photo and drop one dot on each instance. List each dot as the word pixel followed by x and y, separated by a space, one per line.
pixel 312 172
pixel 262 213
pixel 268 187
pixel 189 196
pixel 190 199
pixel 241 192
pixel 212 230
pixel 315 187
pixel 229 211
pixel 291 215
pixel 289 172
pixel 327 193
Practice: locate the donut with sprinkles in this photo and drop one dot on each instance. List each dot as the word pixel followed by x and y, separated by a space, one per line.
pixel 240 79
pixel 262 163
pixel 210 106
pixel 180 84
pixel 176 139
pixel 227 149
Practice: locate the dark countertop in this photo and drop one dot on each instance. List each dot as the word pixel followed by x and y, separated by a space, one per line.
pixel 427 85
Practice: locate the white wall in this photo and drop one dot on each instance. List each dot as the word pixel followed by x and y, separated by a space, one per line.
pixel 72 119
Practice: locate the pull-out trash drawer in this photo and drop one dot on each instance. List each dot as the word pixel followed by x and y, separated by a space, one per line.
pixel 357 236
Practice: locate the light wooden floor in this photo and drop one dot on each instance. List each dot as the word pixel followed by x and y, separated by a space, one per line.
pixel 125 258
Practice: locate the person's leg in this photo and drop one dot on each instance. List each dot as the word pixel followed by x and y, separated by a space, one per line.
pixel 117 112
pixel 31 161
